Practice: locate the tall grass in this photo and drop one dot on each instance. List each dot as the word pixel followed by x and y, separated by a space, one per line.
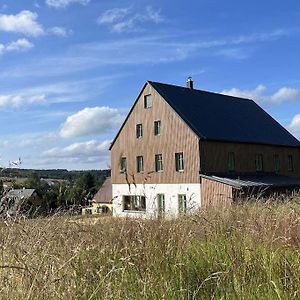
pixel 249 251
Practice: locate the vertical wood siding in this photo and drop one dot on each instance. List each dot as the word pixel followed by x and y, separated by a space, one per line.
pixel 175 136
pixel 214 157
pixel 214 194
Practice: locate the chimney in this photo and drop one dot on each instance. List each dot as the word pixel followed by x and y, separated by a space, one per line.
pixel 190 83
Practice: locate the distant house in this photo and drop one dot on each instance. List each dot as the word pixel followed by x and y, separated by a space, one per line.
pixel 19 201
pixel 181 149
pixel 102 201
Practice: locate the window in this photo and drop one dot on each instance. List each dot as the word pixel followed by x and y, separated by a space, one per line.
pixel 182 204
pixel 276 163
pixel 231 161
pixel 134 203
pixel 139 164
pixel 147 101
pixel 161 205
pixel 158 163
pixel 139 131
pixel 157 126
pixel 123 165
pixel 179 162
pixel 259 162
pixel 290 163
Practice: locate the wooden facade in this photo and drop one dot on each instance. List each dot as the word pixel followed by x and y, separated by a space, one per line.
pixel 214 157
pixel 214 194
pixel 175 137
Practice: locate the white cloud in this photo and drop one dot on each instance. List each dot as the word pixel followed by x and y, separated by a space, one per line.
pixel 295 124
pixel 78 153
pixel 284 94
pixel 24 22
pixel 19 45
pixel 255 94
pixel 124 19
pixel 60 31
pixel 95 120
pixel 17 101
pixel 65 3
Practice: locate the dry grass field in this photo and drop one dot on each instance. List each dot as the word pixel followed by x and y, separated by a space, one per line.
pixel 250 251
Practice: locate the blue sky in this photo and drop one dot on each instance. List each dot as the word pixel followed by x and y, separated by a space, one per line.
pixel 71 69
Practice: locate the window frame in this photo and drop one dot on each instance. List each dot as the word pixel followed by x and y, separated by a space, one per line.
pixel 139 131
pixel 231 161
pixel 148 103
pixel 179 162
pixel 161 205
pixel 290 163
pixel 133 204
pixel 276 163
pixel 182 204
pixel 139 164
pixel 259 162
pixel 123 166
pixel 157 127
pixel 159 166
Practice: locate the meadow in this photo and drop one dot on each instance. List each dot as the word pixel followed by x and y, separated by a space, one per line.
pixel 249 251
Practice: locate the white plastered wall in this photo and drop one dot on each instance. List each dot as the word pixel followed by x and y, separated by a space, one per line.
pixel 150 191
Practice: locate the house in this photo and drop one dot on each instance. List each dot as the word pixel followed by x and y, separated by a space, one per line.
pixel 102 201
pixel 19 201
pixel 180 149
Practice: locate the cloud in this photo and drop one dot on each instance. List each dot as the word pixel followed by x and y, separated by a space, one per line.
pixel 284 94
pixel 19 45
pixel 95 120
pixel 295 124
pixel 80 153
pixel 23 22
pixel 124 19
pixel 65 3
pixel 60 31
pixel 17 101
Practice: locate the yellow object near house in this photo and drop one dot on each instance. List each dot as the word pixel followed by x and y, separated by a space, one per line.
pixel 102 201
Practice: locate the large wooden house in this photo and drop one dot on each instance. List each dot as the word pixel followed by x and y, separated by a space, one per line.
pixel 180 149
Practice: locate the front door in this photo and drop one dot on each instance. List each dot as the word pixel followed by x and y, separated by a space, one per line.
pixel 161 205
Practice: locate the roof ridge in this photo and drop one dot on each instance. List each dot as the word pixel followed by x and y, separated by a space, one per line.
pixel 202 91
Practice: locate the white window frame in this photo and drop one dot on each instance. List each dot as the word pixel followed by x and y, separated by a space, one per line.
pixel 182 204
pixel 179 162
pixel 159 166
pixel 140 164
pixel 157 127
pixel 123 165
pixel 148 101
pixel 139 131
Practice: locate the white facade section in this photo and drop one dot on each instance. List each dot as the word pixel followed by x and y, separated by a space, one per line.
pixel 150 191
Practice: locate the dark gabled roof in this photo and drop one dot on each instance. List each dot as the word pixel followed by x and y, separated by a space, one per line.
pixel 225 118
pixel 264 180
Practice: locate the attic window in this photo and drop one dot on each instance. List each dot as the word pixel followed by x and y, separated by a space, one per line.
pixel 147 101
pixel 276 163
pixel 123 165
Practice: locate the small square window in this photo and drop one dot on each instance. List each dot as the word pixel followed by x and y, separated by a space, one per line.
pixel 157 127
pixel 179 162
pixel 139 131
pixel 290 163
pixel 147 101
pixel 139 164
pixel 158 163
pixel 123 165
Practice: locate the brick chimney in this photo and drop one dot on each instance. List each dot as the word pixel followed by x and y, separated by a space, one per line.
pixel 190 83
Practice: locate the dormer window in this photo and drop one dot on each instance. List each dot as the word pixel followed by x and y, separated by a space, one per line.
pixel 147 101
